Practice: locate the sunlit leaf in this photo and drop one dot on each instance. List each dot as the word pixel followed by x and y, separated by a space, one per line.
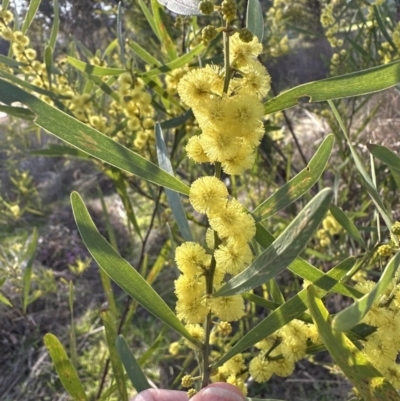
pixel 55 25
pixel 94 69
pixel 29 258
pixel 165 38
pixel 89 140
pixel 385 155
pixel 354 84
pixel 121 271
pixel 30 14
pixel 66 372
pixel 347 224
pixel 298 185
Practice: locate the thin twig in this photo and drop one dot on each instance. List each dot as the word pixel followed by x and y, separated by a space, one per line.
pixel 291 130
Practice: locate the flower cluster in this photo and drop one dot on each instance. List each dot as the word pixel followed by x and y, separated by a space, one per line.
pixel 330 227
pixel 230 118
pixel 280 351
pixel 383 345
pixel 234 228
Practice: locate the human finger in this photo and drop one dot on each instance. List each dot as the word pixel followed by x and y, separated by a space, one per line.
pixel 219 392
pixel 153 394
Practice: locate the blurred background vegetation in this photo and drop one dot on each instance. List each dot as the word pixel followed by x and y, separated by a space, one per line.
pixel 305 40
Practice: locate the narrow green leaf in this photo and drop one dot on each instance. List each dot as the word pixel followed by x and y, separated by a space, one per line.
pixel 290 310
pixel 174 199
pixel 4 4
pixel 104 87
pixel 133 369
pixel 382 27
pixel 265 303
pixel 121 271
pixel 88 139
pixel 30 14
pixel 29 258
pixel 30 87
pixel 366 179
pixel 162 92
pixel 385 155
pixel 356 367
pixel 298 185
pixel 67 373
pixel 303 269
pixel 59 151
pixel 150 19
pixel 144 54
pixel 120 36
pixel 94 69
pixel 163 34
pixel 347 224
pixel 110 48
pixel 72 333
pixel 48 60
pixel 354 84
pixel 176 63
pixel 254 19
pixel 177 121
pixel 116 364
pixel 20 112
pixel 10 62
pixel 55 26
pixel 349 317
pixel 281 253
pixel 4 300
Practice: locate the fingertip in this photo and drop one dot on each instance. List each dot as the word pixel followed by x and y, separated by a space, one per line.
pixel 219 392
pixel 153 394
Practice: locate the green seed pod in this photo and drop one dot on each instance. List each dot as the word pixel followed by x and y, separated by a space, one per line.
pixel 208 33
pixel 396 228
pixel 228 10
pixel 206 7
pixel 385 250
pixel 245 35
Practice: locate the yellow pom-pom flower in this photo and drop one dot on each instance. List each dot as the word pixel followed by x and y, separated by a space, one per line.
pixel 232 258
pixel 196 86
pixel 190 287
pixel 233 221
pixel 207 194
pixel 242 53
pixel 228 308
pixel 195 151
pixel 260 369
pixel 197 332
pixel 191 258
pixel 193 311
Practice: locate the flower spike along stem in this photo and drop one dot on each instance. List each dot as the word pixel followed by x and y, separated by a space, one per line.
pixel 210 276
pixel 229 113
